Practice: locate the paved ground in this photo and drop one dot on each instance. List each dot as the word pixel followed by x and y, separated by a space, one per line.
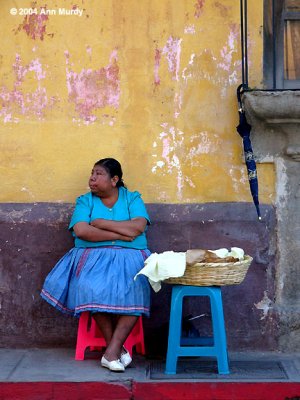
pixel 53 374
pixel 59 365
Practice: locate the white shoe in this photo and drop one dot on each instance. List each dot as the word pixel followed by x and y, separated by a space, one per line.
pixel 114 365
pixel 125 358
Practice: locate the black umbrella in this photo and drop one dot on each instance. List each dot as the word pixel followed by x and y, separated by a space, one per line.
pixel 244 130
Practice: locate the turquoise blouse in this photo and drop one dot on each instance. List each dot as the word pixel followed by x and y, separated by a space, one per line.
pixel 129 205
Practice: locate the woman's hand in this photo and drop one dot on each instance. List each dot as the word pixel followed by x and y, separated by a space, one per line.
pixel 126 238
pixel 98 223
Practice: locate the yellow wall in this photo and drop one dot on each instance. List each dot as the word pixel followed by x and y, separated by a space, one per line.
pixel 149 82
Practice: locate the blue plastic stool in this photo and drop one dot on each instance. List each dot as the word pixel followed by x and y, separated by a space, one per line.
pixel 197 347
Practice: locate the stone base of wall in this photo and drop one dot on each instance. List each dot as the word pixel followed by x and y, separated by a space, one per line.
pixel 34 236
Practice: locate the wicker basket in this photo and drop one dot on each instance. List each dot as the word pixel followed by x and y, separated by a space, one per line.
pixel 213 274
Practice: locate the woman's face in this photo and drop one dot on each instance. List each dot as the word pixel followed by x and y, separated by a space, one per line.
pixel 100 181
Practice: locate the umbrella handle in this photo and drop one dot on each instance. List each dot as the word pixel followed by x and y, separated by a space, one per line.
pixel 239 92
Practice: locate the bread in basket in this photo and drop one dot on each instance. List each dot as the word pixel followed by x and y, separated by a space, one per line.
pixel 207 268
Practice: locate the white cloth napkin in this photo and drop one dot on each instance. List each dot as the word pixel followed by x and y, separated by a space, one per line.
pixel 159 267
pixel 235 252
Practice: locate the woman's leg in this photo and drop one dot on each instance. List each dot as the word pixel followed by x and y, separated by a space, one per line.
pixel 124 326
pixel 105 323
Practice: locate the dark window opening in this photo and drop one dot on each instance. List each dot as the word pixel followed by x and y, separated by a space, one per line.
pixel 282 44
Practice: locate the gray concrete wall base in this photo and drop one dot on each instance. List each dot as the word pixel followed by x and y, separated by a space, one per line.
pixel 289 331
pixel 275 120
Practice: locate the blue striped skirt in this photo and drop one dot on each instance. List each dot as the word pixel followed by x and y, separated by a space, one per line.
pixel 99 280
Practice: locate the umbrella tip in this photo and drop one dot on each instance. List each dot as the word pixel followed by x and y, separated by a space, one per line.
pixel 260 218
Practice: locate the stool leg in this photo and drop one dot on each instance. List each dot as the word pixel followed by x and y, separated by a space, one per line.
pixel 219 330
pixel 174 331
pixel 81 336
pixel 140 345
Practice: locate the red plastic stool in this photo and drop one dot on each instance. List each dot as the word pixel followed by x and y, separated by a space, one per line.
pixel 88 335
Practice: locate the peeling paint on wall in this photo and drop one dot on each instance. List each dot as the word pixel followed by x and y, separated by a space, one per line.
pixel 16 101
pixel 227 67
pixel 238 176
pixel 227 51
pixel 91 90
pixel 224 76
pixel 89 51
pixel 177 103
pixel 187 74
pixel 227 64
pixel 24 189
pixel 190 30
pixel 265 305
pixel 227 70
pixel 199 8
pixel 172 51
pixel 177 151
pixel 205 145
pixel 34 25
pixel 171 139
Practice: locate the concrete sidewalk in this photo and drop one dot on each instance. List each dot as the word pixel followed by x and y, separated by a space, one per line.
pixel 59 365
pixel 26 368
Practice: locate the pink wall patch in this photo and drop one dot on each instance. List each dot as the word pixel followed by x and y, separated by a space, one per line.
pixel 199 8
pixel 171 51
pixel 17 102
pixel 91 89
pixel 34 25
